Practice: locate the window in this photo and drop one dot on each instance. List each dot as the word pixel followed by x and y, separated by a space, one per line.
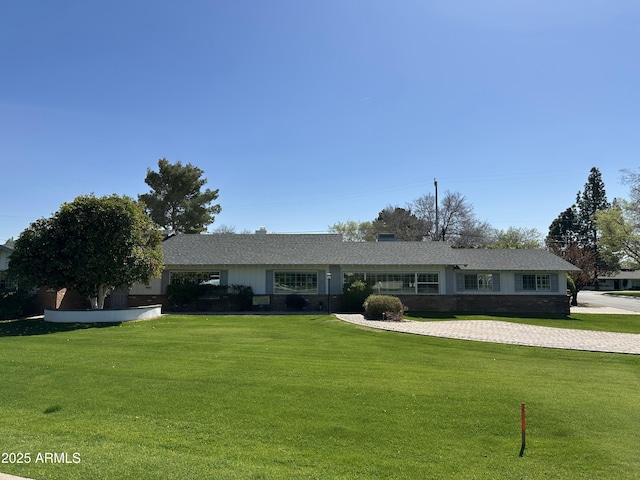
pixel 479 282
pixel 536 282
pixel 528 282
pixel 295 282
pixel 428 283
pixel 195 278
pixel 391 282
pixel 5 282
pixel 397 283
pixel 543 282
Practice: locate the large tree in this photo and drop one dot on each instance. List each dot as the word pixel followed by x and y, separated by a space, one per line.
pixel 585 260
pixel 92 245
pixel 565 228
pixel 401 222
pixel 517 238
pixel 457 223
pixel 619 226
pixel 353 231
pixel 573 235
pixel 176 201
pixel 589 202
pixel 619 229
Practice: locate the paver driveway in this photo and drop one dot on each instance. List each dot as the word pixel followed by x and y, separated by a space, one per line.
pixel 495 331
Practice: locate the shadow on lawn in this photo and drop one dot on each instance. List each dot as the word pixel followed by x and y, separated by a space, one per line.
pixel 37 326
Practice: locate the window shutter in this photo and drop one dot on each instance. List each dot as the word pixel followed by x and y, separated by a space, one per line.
pixel 268 284
pixel 166 275
pixel 460 282
pixel 224 277
pixel 322 282
pixel 518 282
pixel 496 281
pixel 554 282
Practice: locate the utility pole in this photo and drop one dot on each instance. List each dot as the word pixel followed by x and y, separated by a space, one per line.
pixel 435 184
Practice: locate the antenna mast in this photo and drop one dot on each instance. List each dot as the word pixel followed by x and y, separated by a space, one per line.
pixel 435 184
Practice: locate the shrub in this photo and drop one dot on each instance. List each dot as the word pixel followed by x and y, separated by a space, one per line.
pixel 234 297
pixel 354 295
pixel 295 302
pixel 242 296
pixel 211 292
pixel 571 285
pixel 14 303
pixel 381 307
pixel 181 294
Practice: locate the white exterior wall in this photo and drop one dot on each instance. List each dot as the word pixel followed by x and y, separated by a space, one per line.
pixel 562 283
pixel 507 283
pixel 153 288
pixel 254 277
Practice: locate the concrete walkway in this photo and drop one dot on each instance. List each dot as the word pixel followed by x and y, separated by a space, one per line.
pixel 5 476
pixel 495 331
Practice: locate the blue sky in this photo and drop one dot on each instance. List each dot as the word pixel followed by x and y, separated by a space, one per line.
pixel 307 113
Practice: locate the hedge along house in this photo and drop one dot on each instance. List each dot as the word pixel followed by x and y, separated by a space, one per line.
pixel 427 276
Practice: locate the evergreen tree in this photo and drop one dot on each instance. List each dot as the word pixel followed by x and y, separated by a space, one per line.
pixel 175 201
pixel 592 200
pixel 564 230
pixel 573 235
pixel 404 224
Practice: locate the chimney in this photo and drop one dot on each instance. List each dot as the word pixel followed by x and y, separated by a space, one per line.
pixel 386 237
pixel 261 231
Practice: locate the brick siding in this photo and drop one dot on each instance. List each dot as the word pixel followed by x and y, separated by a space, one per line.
pixel 553 304
pixel 516 304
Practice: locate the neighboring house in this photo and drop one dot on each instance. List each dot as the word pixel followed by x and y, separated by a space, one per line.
pixel 5 253
pixel 427 276
pixel 623 280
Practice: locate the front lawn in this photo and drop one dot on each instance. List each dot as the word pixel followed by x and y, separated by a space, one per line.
pixel 625 293
pixel 237 397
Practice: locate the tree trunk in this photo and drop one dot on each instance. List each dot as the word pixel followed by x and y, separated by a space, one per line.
pixel 574 299
pixel 102 294
pixel 94 303
pixel 97 302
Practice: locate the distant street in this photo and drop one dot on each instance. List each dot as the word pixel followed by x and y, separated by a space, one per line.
pixel 592 298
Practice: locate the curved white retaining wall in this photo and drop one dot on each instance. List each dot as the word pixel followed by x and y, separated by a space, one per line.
pixel 103 316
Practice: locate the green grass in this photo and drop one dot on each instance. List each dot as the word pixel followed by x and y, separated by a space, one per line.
pixel 625 293
pixel 586 321
pixel 248 397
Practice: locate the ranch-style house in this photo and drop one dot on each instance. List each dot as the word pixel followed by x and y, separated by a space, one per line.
pixel 427 276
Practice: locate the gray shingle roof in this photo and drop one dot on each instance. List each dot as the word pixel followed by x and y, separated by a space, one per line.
pixel 324 249
pixel 625 274
pixel 512 259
